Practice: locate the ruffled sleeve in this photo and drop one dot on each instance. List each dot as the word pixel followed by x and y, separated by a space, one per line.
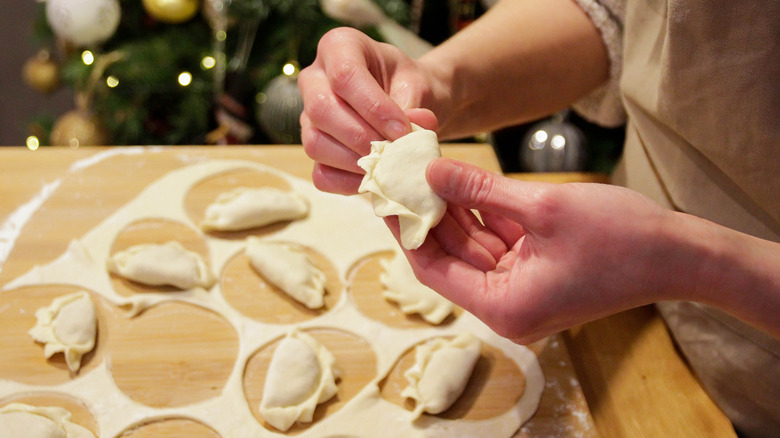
pixel 603 106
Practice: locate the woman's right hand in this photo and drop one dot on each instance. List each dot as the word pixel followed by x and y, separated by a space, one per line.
pixel 357 91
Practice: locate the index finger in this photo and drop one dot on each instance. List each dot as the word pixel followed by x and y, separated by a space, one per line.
pixel 358 77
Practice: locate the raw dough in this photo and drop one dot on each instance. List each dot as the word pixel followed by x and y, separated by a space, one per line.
pixel 395 176
pixel 162 264
pixel 243 208
pixel 301 375
pixel 290 269
pixel 339 228
pixel 402 287
pixel 441 371
pixel 68 325
pixel 19 420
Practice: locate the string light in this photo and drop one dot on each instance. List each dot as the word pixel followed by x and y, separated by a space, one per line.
pixel 289 69
pixel 185 78
pixel 221 35
pixel 208 62
pixel 33 143
pixel 558 142
pixel 538 139
pixel 87 57
pixel 112 81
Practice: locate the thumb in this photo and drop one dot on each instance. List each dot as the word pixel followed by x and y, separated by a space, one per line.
pixel 475 188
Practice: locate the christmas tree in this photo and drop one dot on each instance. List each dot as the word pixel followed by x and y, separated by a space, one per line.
pixel 181 71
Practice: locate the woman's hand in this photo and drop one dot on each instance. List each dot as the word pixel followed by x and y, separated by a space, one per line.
pixel 565 254
pixel 357 91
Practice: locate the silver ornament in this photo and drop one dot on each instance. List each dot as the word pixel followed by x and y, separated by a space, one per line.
pixel 553 145
pixel 280 110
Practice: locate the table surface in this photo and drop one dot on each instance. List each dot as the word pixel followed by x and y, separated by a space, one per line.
pixel 634 381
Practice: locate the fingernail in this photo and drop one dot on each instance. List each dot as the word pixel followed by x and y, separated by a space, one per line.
pixel 445 178
pixel 395 129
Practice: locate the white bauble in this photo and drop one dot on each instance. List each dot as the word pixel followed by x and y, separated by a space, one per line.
pixel 365 13
pixel 359 13
pixel 83 22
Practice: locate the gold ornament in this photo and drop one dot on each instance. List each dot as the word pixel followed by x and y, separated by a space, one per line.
pixel 41 73
pixel 78 128
pixel 171 11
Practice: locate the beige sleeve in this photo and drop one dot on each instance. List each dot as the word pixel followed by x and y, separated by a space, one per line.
pixel 603 106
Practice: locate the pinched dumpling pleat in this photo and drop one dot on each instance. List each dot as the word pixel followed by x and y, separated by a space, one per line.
pixel 402 287
pixel 69 326
pixel 22 420
pixel 441 371
pixel 290 269
pixel 167 264
pixel 301 375
pixel 395 176
pixel 243 208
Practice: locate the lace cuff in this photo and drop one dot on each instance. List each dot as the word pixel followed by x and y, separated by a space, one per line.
pixel 603 106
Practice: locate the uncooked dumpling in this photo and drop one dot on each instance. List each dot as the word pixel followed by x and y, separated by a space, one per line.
pixel 290 269
pixel 68 325
pixel 21 420
pixel 402 287
pixel 168 264
pixel 244 208
pixel 441 371
pixel 301 375
pixel 395 176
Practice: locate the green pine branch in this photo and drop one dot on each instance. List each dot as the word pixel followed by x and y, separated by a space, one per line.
pixel 149 106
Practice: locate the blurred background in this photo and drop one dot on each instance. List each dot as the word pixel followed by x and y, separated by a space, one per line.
pixel 220 72
pixel 20 103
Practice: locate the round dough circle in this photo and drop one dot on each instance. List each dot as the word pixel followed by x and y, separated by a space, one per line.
pixel 81 415
pixel 355 360
pixel 207 190
pixel 156 231
pixel 495 386
pixel 366 291
pixel 191 363
pixel 171 427
pixel 255 298
pixel 17 317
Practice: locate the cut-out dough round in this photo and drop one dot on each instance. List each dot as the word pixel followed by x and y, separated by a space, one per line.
pixel 80 413
pixel 395 177
pixel 441 371
pixel 173 354
pixel 366 292
pixel 204 192
pixel 170 427
pixel 244 208
pixel 162 264
pixel 290 269
pixel 355 360
pixel 301 375
pixel 260 300
pixel 68 325
pixel 22 420
pixel 402 287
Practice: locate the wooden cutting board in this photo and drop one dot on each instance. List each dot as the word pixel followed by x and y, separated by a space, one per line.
pixel 174 354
